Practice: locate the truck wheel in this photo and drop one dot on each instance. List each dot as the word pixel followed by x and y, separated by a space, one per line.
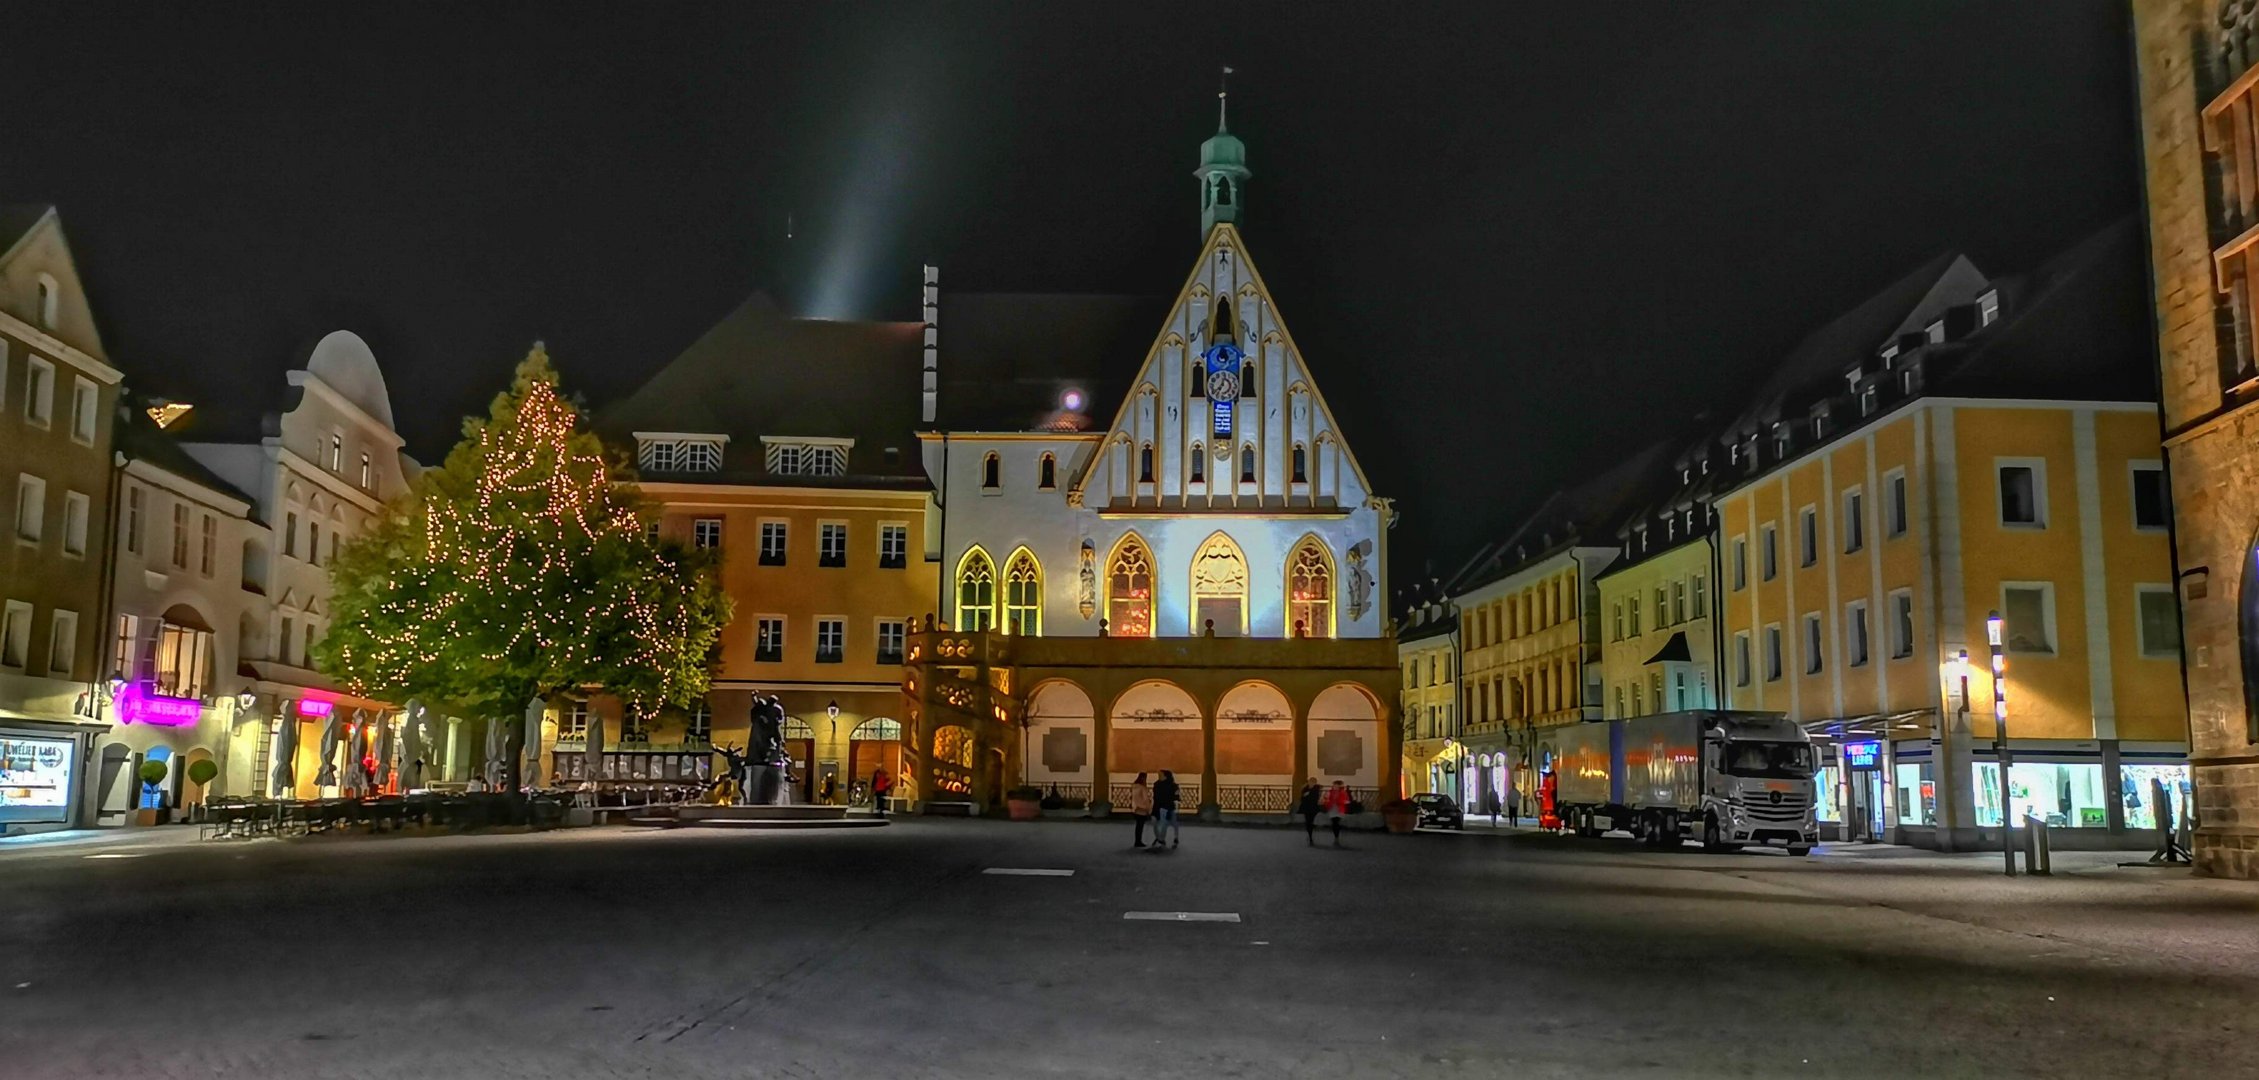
pixel 1667 831
pixel 1713 838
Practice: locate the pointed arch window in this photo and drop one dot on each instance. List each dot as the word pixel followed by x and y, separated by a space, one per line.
pixel 1047 472
pixel 1247 379
pixel 1023 594
pixel 991 472
pixel 1199 465
pixel 1219 587
pixel 976 592
pixel 1199 380
pixel 1221 330
pixel 1129 590
pixel 1145 464
pixel 1301 464
pixel 1247 464
pixel 1309 590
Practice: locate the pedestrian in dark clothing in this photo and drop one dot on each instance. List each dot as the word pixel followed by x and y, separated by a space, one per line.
pixel 1141 807
pixel 1337 807
pixel 1165 810
pixel 1491 801
pixel 1308 806
pixel 880 785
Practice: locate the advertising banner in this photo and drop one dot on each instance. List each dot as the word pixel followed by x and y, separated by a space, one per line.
pixel 35 778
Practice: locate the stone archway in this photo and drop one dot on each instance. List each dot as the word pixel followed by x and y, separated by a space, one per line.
pixel 1345 739
pixel 1152 726
pixel 1061 735
pixel 1254 749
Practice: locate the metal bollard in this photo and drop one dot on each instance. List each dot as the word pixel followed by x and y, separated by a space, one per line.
pixel 2037 854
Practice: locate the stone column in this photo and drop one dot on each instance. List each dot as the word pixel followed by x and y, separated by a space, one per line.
pixel 1211 808
pixel 1101 767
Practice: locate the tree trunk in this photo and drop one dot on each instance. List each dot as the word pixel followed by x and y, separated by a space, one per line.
pixel 513 766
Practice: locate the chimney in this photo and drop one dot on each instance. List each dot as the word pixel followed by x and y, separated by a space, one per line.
pixel 932 391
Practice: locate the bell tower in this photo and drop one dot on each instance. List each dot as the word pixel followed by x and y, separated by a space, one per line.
pixel 1223 172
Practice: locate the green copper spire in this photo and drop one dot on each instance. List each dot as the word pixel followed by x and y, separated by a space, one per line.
pixel 1223 172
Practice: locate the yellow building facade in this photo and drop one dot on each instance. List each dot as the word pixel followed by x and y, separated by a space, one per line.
pixel 805 482
pixel 1427 649
pixel 1658 652
pixel 1528 639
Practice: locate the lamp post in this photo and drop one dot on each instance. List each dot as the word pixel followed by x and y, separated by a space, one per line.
pixel 1993 625
pixel 832 710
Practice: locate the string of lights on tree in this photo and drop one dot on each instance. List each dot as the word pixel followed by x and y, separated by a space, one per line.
pixel 522 567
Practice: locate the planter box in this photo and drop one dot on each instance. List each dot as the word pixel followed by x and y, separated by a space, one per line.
pixel 1024 809
pixel 152 817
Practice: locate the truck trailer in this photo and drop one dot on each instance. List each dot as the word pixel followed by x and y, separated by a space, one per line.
pixel 1726 778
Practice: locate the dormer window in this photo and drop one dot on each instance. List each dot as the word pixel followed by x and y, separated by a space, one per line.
pixel 1867 402
pixel 50 301
pixel 1910 380
pixel 805 457
pixel 1988 307
pixel 675 452
pixel 1889 353
pixel 1934 333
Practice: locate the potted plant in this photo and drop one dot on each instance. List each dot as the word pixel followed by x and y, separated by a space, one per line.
pixel 1400 815
pixel 1024 802
pixel 201 772
pixel 152 773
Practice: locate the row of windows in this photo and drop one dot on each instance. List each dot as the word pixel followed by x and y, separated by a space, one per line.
pixel 31 515
pixel 36 387
pixel 16 617
pixel 1539 607
pixel 1218 590
pixel 831 542
pixel 1196 461
pixel 1539 690
pixel 335 462
pixel 769 639
pixel 2021 485
pixel 1676 602
pixel 2027 610
pixel 1645 698
pixel 1439 670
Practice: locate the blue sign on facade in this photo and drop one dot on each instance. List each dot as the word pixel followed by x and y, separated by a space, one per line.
pixel 1222 363
pixel 1861 755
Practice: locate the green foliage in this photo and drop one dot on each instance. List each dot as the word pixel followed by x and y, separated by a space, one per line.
pixel 202 770
pixel 522 568
pixel 152 772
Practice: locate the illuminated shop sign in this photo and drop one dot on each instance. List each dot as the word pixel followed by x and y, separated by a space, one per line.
pixel 314 707
pixel 35 778
pixel 137 704
pixel 1862 755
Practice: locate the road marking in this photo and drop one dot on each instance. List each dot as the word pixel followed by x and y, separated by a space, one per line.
pixel 117 855
pixel 1020 872
pixel 1183 916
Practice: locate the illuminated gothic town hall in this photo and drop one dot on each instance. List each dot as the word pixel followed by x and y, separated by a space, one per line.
pixel 1188 580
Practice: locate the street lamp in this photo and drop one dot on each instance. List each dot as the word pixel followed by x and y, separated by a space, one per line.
pixel 1993 625
pixel 832 710
pixel 247 700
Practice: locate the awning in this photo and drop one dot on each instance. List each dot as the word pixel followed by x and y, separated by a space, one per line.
pixel 1878 725
pixel 1673 651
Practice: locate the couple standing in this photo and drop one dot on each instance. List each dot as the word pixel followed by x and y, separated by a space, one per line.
pixel 1158 802
pixel 1333 801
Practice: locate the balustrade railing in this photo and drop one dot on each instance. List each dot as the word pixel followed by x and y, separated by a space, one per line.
pixel 1255 798
pixel 1188 796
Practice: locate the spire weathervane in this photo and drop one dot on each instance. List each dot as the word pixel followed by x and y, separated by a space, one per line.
pixel 1223 93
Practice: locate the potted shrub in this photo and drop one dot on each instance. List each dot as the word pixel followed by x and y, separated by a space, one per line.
pixel 1025 803
pixel 201 772
pixel 1400 815
pixel 152 773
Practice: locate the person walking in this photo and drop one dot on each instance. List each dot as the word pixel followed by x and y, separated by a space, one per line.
pixel 880 785
pixel 1165 825
pixel 1491 802
pixel 1141 807
pixel 1313 799
pixel 1337 807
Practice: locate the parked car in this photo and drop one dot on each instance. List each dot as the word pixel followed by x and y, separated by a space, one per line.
pixel 1438 810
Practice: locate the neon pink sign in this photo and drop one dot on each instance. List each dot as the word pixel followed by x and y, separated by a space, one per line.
pixel 312 707
pixel 137 705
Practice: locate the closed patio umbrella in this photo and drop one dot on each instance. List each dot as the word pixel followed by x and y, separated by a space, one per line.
pixel 381 744
pixel 594 767
pixel 327 777
pixel 497 750
pixel 530 777
pixel 356 749
pixel 411 745
pixel 283 778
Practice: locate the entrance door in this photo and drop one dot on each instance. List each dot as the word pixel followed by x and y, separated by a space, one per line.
pixel 1872 794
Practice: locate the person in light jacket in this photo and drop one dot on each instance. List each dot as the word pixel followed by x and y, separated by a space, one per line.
pixel 1337 807
pixel 1141 807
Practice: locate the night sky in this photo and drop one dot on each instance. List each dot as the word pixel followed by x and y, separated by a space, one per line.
pixel 1514 238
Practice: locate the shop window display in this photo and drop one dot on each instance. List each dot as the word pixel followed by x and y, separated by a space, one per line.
pixel 1917 794
pixel 2063 795
pixel 2134 789
pixel 1830 804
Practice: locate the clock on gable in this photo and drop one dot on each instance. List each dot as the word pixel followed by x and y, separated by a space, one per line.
pixel 1223 363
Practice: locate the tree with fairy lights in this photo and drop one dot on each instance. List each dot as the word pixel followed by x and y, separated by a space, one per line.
pixel 523 568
